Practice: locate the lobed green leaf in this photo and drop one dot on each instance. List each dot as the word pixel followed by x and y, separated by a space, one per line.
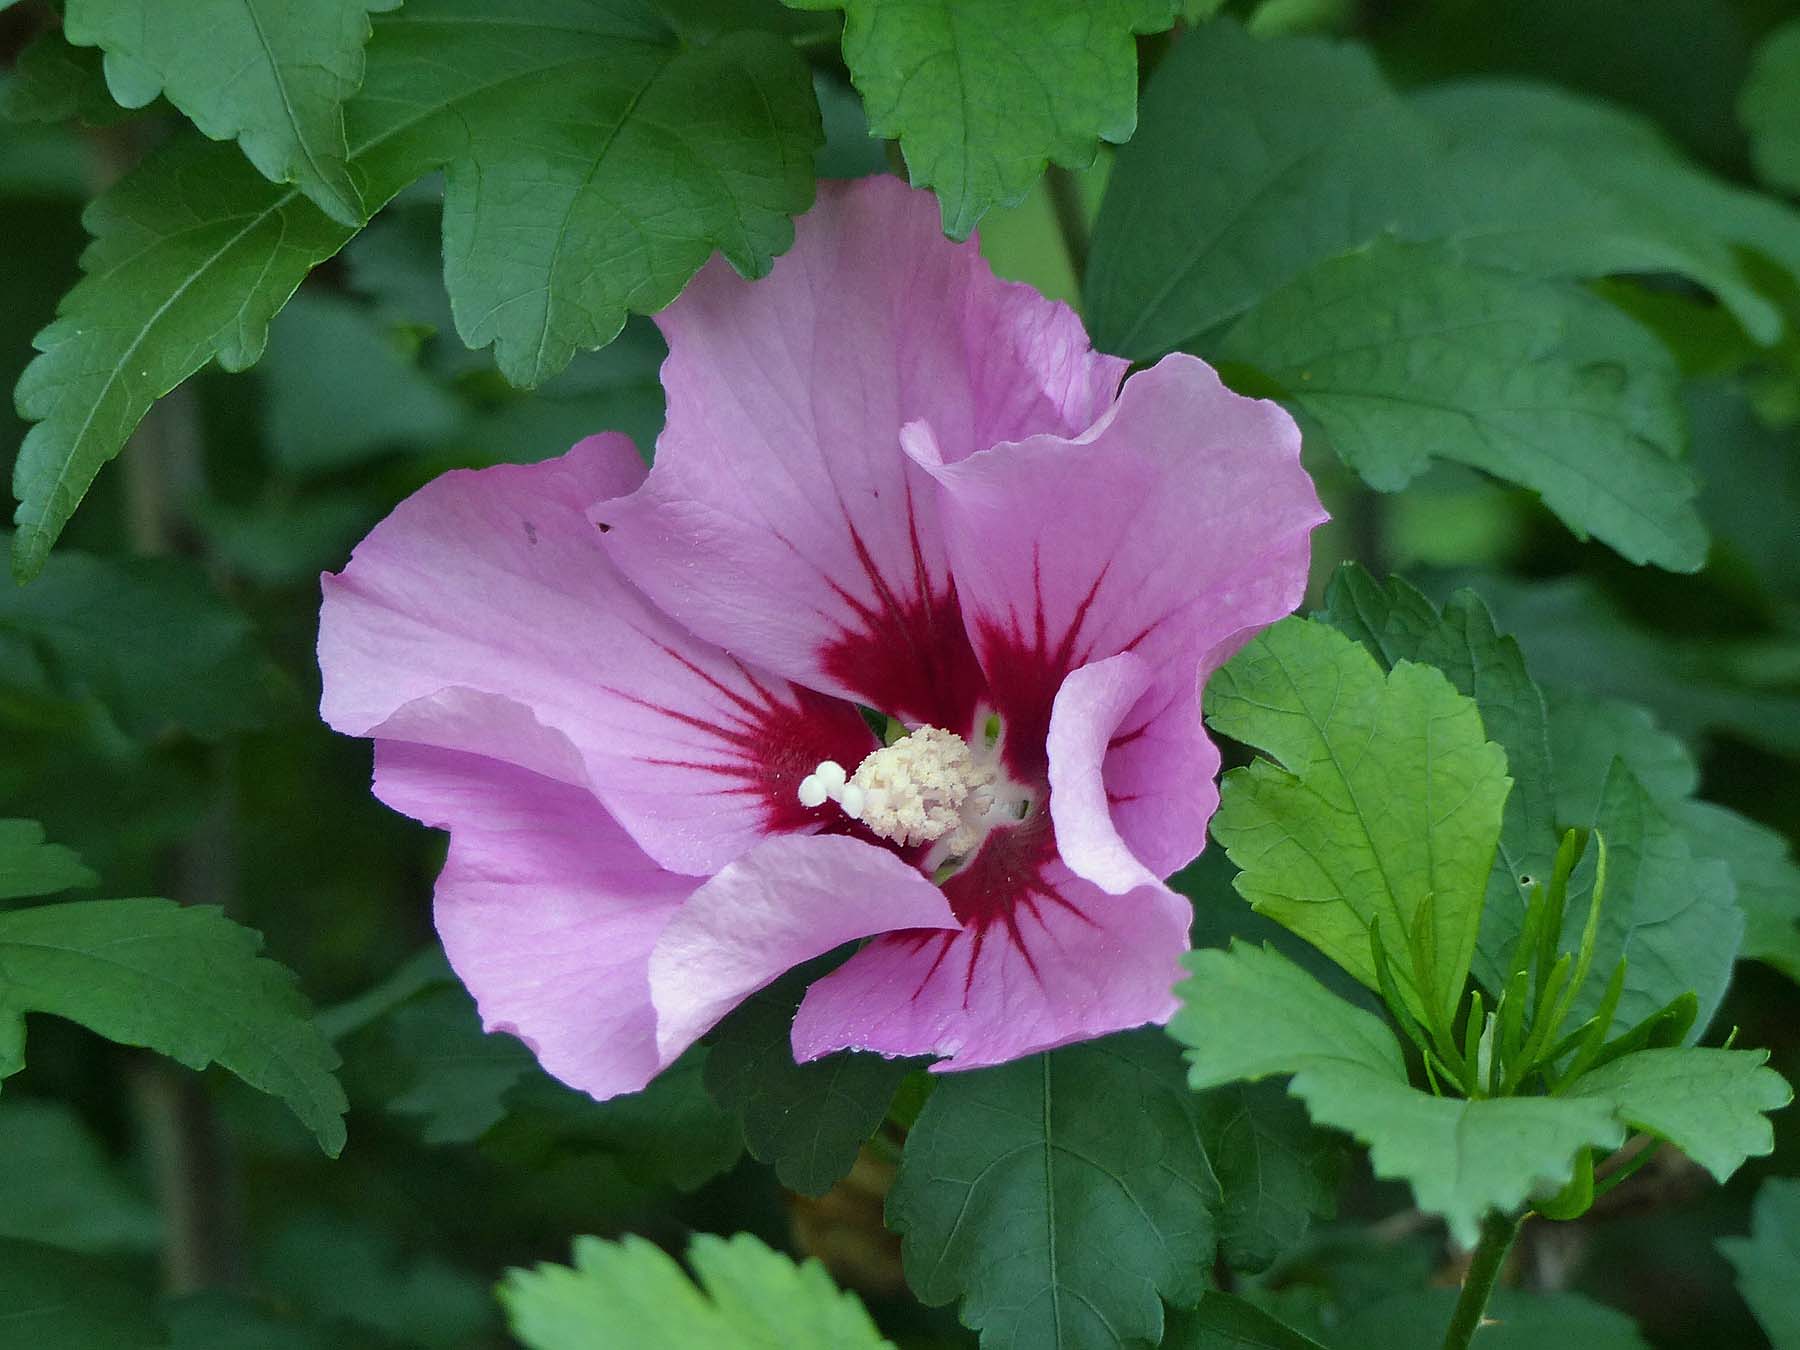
pixel 1395 623
pixel 1404 354
pixel 193 253
pixel 1020 1194
pixel 980 97
pixel 1251 1013
pixel 807 1121
pixel 1766 1260
pixel 631 1293
pixel 1710 1104
pixel 1384 804
pixel 272 75
pixel 183 981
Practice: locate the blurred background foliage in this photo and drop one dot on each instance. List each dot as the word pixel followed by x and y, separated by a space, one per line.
pixel 157 714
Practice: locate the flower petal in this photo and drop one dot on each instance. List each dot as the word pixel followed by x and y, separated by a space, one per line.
pixel 781 520
pixel 1157 790
pixel 1173 528
pixel 496 582
pixel 547 909
pixel 1073 963
pixel 781 904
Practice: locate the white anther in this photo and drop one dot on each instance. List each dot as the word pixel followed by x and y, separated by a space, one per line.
pixel 812 791
pixel 852 799
pixel 832 775
pixel 918 789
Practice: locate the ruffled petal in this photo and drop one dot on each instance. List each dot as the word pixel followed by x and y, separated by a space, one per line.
pixel 783 903
pixel 1069 963
pixel 496 582
pixel 781 520
pixel 547 909
pixel 1095 778
pixel 1173 529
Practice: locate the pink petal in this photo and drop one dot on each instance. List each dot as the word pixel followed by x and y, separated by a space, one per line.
pixel 781 520
pixel 781 904
pixel 1069 964
pixel 495 582
pixel 547 909
pixel 1158 791
pixel 1173 528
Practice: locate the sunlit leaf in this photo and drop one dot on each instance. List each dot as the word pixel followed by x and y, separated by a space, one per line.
pixel 1382 803
pixel 631 1293
pixel 1710 1104
pixel 1251 1013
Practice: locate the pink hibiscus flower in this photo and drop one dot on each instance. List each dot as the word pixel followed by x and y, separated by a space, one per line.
pixel 890 480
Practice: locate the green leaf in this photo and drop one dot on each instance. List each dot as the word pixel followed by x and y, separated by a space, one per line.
pixel 1276 1172
pixel 552 234
pixel 1305 153
pixel 1587 734
pixel 194 253
pixel 1020 1194
pixel 339 1269
pixel 671 1133
pixel 456 1075
pixel 340 391
pixel 218 1320
pixel 1416 1320
pixel 1769 108
pixel 1224 1322
pixel 1710 1104
pixel 981 96
pixel 1316 155
pixel 59 1187
pixel 1403 354
pixel 808 1121
pixel 1621 155
pixel 1250 1013
pixel 30 867
pixel 148 638
pixel 56 82
pixel 183 981
pixel 1768 880
pixel 1386 798
pixel 1767 1259
pixel 1680 678
pixel 424 969
pixel 1397 623
pixel 56 1300
pixel 1673 916
pixel 631 1293
pixel 271 75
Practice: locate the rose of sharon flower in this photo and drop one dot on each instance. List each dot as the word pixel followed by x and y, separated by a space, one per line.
pixel 887 479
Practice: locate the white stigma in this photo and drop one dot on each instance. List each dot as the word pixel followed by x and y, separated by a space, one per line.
pixel 928 787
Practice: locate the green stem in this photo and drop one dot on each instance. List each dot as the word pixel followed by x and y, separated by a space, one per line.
pixel 1497 1234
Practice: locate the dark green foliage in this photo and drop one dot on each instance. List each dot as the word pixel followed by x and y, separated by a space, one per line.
pixel 1527 275
pixel 1021 1195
